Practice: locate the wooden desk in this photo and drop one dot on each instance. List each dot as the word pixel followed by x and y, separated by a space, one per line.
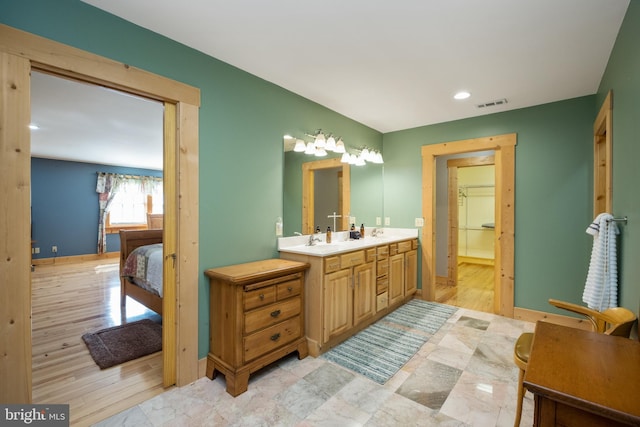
pixel 581 378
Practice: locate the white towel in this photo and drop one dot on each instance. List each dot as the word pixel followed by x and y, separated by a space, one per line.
pixel 601 287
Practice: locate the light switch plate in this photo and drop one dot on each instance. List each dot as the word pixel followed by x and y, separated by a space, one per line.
pixel 378 220
pixel 387 220
pixel 419 222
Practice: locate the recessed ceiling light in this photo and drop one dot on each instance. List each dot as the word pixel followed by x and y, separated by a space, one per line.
pixel 462 95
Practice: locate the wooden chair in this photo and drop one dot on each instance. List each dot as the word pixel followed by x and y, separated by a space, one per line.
pixel 613 321
pixel 155 221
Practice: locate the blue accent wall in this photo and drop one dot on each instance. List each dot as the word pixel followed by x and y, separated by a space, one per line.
pixel 64 206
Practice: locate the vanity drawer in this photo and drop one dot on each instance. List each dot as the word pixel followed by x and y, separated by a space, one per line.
pixel 288 289
pixel 371 254
pixel 382 285
pixel 259 297
pixel 404 246
pixel 331 264
pixel 260 343
pixel 352 258
pixel 383 252
pixel 382 301
pixel 270 315
pixel 382 268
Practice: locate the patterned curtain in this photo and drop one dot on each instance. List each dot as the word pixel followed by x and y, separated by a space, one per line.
pixel 107 186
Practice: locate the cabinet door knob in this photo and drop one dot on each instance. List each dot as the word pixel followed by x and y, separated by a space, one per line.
pixel 261 297
pixel 275 313
pixel 275 337
pixel 290 289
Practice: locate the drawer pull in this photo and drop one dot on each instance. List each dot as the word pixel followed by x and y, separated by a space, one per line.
pixel 261 297
pixel 275 337
pixel 289 288
pixel 275 313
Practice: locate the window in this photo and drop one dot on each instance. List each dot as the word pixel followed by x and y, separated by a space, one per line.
pixel 130 206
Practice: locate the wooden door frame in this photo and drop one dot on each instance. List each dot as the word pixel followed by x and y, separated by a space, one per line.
pixel 308 192
pixel 19 53
pixel 452 220
pixel 603 158
pixel 504 152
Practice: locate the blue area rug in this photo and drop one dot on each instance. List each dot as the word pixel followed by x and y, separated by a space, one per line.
pixel 380 350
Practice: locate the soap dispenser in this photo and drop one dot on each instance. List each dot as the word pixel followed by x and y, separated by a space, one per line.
pixel 362 231
pixel 328 239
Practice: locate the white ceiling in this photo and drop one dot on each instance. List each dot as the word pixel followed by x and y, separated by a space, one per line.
pixel 394 65
pixel 92 124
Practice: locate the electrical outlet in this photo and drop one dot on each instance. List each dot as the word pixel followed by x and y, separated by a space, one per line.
pixel 419 222
pixel 387 220
pixel 352 220
pixel 378 220
pixel 36 250
pixel 54 249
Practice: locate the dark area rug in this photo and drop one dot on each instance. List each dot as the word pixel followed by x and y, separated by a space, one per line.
pixel 380 350
pixel 119 344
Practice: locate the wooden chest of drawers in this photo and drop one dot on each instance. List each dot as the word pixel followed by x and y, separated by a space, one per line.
pixel 256 317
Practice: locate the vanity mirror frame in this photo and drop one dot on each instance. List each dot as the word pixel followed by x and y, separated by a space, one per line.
pixel 308 192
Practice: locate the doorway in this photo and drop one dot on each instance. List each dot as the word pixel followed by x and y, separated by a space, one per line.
pixel 504 154
pixel 343 181
pixel 23 52
pixel 469 231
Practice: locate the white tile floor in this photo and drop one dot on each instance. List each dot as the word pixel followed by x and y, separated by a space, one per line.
pixel 464 375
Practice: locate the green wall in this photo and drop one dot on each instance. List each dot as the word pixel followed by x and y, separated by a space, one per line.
pixel 552 197
pixel 242 122
pixel 623 77
pixel 243 119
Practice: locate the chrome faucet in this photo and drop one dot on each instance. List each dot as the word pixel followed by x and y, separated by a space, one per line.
pixel 313 240
pixel 377 232
pixel 297 234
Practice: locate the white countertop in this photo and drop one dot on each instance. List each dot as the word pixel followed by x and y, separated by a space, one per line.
pixel 340 242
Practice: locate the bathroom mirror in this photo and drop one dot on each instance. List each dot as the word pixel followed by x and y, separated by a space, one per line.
pixel 316 187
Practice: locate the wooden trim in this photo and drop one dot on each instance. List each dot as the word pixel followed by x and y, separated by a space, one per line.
pixel 74 258
pixel 308 192
pixel 476 260
pixel 453 225
pixel 21 51
pixel 603 158
pixel 504 148
pixel 50 56
pixel 534 316
pixel 15 219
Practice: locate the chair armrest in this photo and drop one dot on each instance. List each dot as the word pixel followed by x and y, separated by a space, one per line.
pixel 590 314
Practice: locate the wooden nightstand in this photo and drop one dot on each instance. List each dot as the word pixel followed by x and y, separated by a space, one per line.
pixel 256 317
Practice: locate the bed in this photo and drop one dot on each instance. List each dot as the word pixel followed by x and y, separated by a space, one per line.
pixel 141 273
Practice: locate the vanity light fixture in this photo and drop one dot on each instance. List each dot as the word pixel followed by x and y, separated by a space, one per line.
pixel 320 141
pixel 311 148
pixel 323 143
pixel 300 146
pixel 331 143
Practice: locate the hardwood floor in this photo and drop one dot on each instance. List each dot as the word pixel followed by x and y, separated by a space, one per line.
pixel 474 290
pixel 67 301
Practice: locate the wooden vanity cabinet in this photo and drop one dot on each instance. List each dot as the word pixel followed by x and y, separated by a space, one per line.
pixel 256 317
pixel 403 270
pixel 349 293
